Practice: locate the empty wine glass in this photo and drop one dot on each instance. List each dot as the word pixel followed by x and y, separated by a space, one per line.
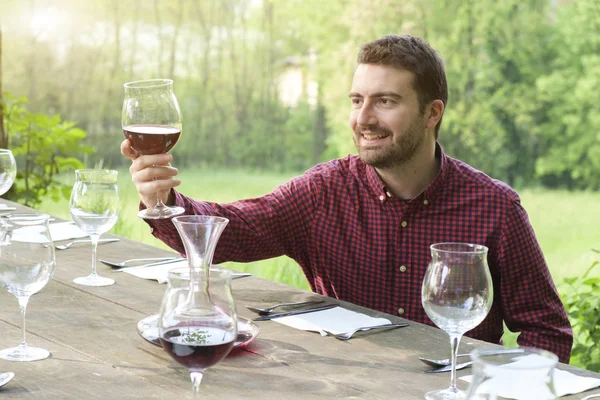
pixel 94 208
pixel 524 373
pixel 151 121
pixel 8 170
pixel 27 263
pixel 457 295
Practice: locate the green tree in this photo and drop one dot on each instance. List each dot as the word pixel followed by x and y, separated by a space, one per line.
pixel 43 146
pixel 569 101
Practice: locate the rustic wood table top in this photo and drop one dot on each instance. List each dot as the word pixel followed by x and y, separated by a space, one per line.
pixel 96 352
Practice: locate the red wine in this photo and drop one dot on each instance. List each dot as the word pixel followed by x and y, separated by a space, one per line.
pixel 151 139
pixel 197 349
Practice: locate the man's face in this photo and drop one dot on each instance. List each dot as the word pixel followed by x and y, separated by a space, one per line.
pixel 385 118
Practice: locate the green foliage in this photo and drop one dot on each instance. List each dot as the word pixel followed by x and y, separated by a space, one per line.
pixel 43 146
pixel 569 99
pixel 524 77
pixel 580 297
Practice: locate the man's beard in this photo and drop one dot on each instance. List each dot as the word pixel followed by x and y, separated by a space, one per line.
pixel 402 150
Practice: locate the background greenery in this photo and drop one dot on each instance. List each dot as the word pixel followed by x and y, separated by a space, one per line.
pixel 524 106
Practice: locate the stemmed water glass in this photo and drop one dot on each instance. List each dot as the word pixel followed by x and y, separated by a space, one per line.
pixel 152 123
pixel 8 170
pixel 198 327
pixel 457 295
pixel 27 263
pixel 94 208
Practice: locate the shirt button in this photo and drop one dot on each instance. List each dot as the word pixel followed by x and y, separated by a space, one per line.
pixel 402 268
pixel 401 311
pixel 425 202
pixel 382 197
pixel 404 223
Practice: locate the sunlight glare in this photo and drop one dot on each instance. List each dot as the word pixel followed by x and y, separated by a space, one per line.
pixel 44 22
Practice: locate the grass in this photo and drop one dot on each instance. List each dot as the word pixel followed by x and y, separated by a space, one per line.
pixel 566 223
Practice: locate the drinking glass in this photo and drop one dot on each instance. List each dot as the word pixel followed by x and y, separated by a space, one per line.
pixel 457 294
pixel 27 263
pixel 523 373
pixel 151 120
pixel 198 327
pixel 94 208
pixel 8 170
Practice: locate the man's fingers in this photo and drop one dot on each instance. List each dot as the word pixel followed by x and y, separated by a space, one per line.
pixel 153 173
pixel 150 188
pixel 143 162
pixel 128 151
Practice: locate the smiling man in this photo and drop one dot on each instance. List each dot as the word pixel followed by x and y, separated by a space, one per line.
pixel 361 226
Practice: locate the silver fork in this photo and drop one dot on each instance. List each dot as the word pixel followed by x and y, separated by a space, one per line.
pixel 268 310
pixel 348 335
pixel 71 243
pixel 447 368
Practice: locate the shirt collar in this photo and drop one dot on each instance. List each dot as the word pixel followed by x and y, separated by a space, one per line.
pixel 379 189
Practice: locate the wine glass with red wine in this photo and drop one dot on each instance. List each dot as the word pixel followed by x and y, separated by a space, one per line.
pixel 152 123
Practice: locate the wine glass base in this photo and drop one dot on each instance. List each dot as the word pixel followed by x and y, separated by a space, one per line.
pixel 24 353
pixel 161 212
pixel 446 394
pixel 94 280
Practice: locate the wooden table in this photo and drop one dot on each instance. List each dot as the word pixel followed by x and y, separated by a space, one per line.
pixel 97 353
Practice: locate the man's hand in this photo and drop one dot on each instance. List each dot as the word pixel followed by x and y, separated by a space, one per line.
pixel 151 174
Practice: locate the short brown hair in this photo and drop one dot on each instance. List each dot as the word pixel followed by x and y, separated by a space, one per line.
pixel 415 55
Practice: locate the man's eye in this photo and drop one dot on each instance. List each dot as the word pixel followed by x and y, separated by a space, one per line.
pixel 355 101
pixel 385 101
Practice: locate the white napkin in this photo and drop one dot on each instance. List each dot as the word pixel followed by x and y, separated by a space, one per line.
pixel 157 272
pixel 520 384
pixel 334 320
pixel 59 231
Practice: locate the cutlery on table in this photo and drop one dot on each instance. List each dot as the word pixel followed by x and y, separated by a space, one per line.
pixel 132 260
pixel 293 312
pixel 130 268
pixel 441 362
pixel 71 243
pixel 237 275
pixel 5 377
pixel 447 368
pixel 348 335
pixel 268 310
pixel 591 396
pixel 446 361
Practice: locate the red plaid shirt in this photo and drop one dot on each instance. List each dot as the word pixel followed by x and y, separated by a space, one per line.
pixel 357 243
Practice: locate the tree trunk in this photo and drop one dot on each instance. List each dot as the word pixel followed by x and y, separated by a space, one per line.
pixel 178 22
pixel 3 136
pixel 134 44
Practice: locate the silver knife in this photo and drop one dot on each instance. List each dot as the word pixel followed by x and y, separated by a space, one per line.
pixel 293 312
pixel 147 265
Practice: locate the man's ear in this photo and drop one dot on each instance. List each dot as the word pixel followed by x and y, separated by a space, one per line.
pixel 434 113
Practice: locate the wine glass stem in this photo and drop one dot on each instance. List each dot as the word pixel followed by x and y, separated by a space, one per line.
pixel 159 202
pixel 23 300
pixel 454 342
pixel 94 239
pixel 196 379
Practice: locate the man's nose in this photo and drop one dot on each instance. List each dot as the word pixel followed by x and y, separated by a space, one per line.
pixel 366 115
